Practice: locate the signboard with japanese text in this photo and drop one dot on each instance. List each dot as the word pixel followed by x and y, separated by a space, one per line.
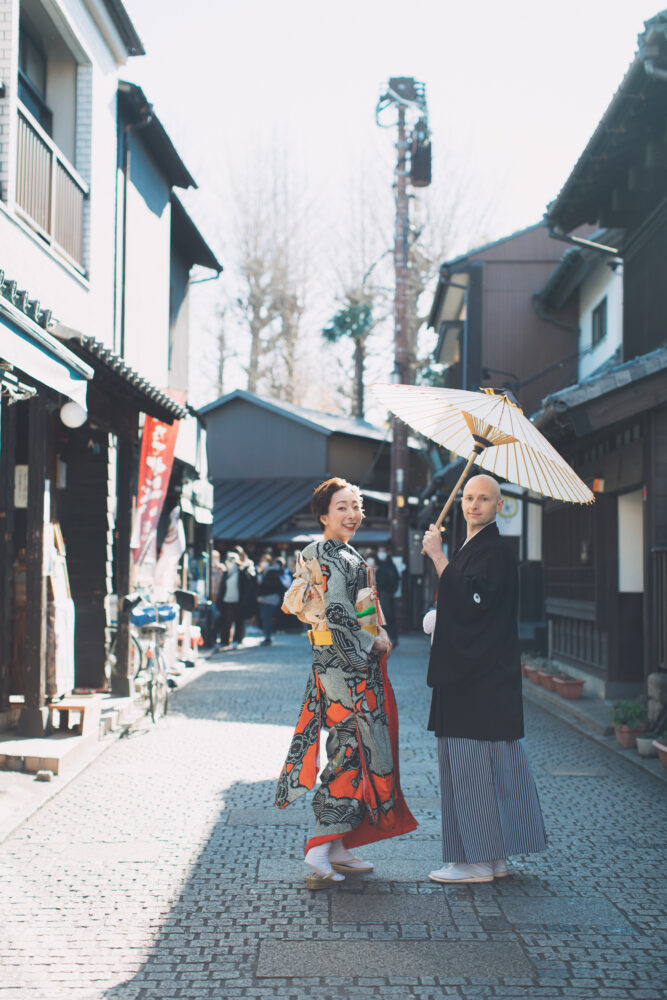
pixel 157 457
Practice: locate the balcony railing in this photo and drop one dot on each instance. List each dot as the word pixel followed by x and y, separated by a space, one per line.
pixel 49 192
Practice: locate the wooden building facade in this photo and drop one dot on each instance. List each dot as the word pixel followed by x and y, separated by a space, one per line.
pixel 606 566
pixel 493 331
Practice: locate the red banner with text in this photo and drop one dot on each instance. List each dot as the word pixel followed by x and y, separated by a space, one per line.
pixel 157 457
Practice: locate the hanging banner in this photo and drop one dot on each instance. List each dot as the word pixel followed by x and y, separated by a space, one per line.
pixel 172 549
pixel 157 457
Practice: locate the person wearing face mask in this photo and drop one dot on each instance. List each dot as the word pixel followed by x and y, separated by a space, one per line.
pixel 387 580
pixel 359 799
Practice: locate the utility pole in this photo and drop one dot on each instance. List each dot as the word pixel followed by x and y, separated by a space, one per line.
pixel 402 373
pixel 406 95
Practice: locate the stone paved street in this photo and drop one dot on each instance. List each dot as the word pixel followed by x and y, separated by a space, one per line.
pixel 164 871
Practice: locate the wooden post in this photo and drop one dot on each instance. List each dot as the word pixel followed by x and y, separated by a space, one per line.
pixel 7 463
pixel 121 682
pixel 31 720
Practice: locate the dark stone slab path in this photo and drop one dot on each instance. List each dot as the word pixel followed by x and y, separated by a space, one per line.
pixel 163 869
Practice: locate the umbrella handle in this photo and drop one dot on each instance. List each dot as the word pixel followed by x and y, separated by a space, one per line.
pixel 477 450
pixel 452 495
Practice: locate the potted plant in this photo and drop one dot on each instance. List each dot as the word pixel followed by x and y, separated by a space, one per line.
pixel 629 720
pixel 524 668
pixel 544 674
pixel 568 687
pixel 661 746
pixel 547 675
pixel 530 671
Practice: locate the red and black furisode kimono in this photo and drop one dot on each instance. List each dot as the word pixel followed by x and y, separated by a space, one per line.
pixel 349 693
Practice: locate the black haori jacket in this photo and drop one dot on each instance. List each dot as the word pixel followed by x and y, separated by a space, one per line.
pixel 475 668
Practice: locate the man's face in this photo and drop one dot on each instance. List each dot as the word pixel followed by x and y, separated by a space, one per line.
pixel 481 502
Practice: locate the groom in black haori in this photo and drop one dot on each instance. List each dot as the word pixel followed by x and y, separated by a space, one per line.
pixel 490 807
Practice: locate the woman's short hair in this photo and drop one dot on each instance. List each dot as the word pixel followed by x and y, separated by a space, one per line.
pixel 321 501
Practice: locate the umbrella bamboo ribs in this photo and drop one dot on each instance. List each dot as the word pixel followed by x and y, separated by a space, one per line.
pixel 491 428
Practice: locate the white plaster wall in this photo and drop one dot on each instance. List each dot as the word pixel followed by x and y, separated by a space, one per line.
pixel 602 281
pixel 148 268
pixel 631 542
pixel 85 304
pixel 534 532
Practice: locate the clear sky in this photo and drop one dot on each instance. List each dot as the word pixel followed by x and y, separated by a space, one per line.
pixel 514 89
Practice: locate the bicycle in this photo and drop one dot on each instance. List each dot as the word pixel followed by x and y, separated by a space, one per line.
pixel 136 652
pixel 151 677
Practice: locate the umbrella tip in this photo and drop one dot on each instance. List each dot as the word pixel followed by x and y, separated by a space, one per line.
pixel 507 393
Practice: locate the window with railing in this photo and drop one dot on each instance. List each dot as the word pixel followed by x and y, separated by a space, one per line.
pixel 50 193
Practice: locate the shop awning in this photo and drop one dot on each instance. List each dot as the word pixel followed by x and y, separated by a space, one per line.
pixel 38 355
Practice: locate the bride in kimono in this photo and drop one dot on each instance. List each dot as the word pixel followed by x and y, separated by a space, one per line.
pixel 359 800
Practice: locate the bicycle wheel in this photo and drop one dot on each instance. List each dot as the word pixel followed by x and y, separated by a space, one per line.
pixel 136 657
pixel 158 689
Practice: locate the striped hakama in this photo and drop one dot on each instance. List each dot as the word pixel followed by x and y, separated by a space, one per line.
pixel 490 806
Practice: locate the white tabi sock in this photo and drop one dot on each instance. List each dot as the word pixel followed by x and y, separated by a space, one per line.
pixel 339 853
pixel 317 858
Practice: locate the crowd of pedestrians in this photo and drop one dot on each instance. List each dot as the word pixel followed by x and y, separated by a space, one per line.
pixel 246 592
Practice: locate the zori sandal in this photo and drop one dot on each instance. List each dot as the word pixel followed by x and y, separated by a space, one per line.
pixel 323 881
pixel 352 866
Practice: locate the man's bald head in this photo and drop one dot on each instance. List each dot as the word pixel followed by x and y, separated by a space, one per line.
pixel 485 482
pixel 481 502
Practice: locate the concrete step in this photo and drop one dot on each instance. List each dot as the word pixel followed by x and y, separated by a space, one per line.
pixel 57 753
pixel 591 711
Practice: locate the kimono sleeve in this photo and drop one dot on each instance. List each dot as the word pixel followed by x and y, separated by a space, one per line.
pixel 352 643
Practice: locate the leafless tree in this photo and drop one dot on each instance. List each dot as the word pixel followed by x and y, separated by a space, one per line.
pixel 268 257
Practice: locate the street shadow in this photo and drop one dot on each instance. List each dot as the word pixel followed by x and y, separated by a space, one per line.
pixel 234 685
pixel 244 900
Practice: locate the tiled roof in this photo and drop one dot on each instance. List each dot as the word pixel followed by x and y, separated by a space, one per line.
pixel 248 509
pixel 108 365
pixel 325 423
pixel 636 112
pixel 111 369
pixel 602 382
pixel 20 299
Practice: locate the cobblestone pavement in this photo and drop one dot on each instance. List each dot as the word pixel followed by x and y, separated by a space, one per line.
pixel 164 871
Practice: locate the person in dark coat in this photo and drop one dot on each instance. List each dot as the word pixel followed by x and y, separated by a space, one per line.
pixel 270 591
pixel 490 807
pixel 232 599
pixel 387 581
